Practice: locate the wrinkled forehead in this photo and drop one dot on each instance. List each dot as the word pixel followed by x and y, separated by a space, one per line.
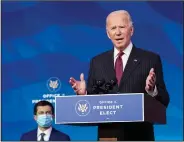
pixel 117 19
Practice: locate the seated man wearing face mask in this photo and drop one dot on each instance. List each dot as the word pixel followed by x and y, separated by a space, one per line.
pixel 43 115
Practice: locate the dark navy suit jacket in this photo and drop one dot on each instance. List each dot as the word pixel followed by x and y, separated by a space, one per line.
pixel 55 136
pixel 133 81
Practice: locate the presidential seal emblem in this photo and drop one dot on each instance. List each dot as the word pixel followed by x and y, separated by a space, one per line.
pixel 82 108
pixel 53 84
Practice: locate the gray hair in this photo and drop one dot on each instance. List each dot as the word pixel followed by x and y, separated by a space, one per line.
pixel 124 12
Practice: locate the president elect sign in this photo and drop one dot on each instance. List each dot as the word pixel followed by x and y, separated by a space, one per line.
pixel 99 108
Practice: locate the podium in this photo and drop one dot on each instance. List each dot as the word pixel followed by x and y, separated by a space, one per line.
pixel 108 108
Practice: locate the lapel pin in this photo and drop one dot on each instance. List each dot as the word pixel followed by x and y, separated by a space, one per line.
pixel 135 60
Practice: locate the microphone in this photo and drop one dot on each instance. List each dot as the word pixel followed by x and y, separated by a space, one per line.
pixel 100 83
pixel 96 88
pixel 113 82
pixel 109 85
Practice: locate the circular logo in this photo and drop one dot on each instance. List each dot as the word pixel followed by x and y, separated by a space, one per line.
pixel 53 84
pixel 82 108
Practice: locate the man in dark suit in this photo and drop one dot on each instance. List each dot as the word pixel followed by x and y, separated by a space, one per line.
pixel 136 71
pixel 43 115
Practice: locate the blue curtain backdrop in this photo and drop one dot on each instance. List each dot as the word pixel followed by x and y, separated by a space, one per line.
pixel 43 41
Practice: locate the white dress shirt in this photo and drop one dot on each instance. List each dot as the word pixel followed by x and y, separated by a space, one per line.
pixel 124 58
pixel 46 132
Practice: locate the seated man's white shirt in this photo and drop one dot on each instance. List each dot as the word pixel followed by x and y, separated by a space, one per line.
pixel 46 132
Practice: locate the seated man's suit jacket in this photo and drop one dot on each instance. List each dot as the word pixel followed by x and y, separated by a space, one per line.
pixel 55 136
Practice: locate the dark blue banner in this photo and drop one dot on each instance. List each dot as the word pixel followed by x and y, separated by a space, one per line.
pixel 44 43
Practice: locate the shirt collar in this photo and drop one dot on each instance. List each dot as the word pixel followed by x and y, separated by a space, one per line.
pixel 126 51
pixel 47 132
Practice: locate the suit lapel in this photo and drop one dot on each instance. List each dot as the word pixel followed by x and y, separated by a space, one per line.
pixel 52 135
pixel 35 135
pixel 109 67
pixel 132 63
